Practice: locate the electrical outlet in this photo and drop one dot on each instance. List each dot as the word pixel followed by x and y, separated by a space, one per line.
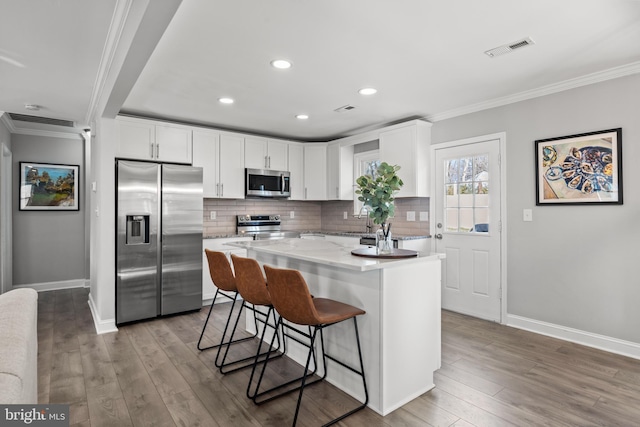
pixel 345 215
pixel 411 216
pixel 424 216
pixel 292 214
pixel 213 215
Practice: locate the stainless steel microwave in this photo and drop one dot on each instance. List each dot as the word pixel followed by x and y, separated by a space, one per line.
pixel 267 183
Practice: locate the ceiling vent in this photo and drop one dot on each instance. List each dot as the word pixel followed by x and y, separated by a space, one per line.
pixel 43 120
pixel 509 47
pixel 344 108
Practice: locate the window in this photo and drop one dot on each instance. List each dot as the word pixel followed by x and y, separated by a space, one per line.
pixel 467 194
pixel 365 163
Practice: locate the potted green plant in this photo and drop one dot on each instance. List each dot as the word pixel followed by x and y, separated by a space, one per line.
pixel 377 192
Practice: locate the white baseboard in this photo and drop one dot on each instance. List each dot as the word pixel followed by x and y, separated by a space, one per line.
pixel 602 342
pixel 102 326
pixel 54 286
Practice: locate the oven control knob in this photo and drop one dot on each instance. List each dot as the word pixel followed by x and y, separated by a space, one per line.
pixel 276 218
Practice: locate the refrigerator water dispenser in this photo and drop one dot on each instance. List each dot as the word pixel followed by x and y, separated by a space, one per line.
pixel 137 229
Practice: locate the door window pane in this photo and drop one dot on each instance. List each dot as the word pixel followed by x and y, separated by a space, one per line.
pixel 467 194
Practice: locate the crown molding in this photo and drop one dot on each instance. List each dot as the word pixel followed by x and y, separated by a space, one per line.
pixel 4 118
pixel 114 35
pixel 600 76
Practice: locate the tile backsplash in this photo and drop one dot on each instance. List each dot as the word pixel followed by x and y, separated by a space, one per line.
pixel 307 215
pixel 333 217
pixel 327 216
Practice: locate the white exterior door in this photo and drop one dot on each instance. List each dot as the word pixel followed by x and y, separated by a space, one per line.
pixel 468 226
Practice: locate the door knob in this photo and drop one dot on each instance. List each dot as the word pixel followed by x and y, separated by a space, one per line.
pixel 439 236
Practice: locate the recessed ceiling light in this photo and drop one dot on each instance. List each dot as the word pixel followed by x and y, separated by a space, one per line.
pixel 281 63
pixel 225 100
pixel 302 116
pixel 367 91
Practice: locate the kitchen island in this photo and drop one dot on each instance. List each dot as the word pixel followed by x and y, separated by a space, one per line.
pixel 400 332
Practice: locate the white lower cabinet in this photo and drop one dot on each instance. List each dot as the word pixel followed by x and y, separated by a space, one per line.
pixel 208 288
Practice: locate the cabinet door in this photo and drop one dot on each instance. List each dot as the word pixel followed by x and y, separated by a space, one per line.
pixel 136 139
pixel 315 171
pixel 277 152
pixel 340 180
pixel 205 155
pixel 231 166
pixel 296 169
pixel 255 153
pixel 173 144
pixel 408 147
pixel 333 172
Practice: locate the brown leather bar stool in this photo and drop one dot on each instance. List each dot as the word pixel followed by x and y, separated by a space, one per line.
pixel 223 278
pixel 291 298
pixel 252 286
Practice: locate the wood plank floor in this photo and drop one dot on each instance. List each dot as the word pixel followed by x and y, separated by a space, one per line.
pixel 151 374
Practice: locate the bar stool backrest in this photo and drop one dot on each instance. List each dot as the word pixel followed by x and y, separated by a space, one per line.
pixel 220 271
pixel 250 281
pixel 290 296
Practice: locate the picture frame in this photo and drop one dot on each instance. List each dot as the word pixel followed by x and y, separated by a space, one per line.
pixel 579 169
pixel 48 187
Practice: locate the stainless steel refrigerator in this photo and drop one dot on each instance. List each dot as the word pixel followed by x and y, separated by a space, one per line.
pixel 159 240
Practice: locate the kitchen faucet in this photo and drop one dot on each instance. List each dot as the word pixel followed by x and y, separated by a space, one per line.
pixel 368 226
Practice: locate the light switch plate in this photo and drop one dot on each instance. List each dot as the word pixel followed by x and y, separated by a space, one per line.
pixel 292 214
pixel 411 216
pixel 424 216
pixel 345 215
pixel 527 215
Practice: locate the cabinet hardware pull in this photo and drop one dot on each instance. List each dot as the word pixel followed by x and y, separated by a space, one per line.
pixel 151 150
pixel 157 150
pixel 222 190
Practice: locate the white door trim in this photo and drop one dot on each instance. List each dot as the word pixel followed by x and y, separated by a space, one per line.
pixel 502 137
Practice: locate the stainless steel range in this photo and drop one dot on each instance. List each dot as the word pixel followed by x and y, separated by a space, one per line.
pixel 262 227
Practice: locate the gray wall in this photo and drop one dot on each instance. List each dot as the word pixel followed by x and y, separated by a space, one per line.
pixel 47 246
pixel 574 266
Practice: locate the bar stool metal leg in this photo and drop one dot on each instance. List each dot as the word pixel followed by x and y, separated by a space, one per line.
pixel 204 327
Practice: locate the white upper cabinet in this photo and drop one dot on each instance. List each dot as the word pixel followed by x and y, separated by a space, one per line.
pixel 296 169
pixel 340 183
pixel 409 146
pixel 206 149
pixel 149 140
pixel 173 143
pixel 315 171
pixel 221 157
pixel 262 153
pixel 231 166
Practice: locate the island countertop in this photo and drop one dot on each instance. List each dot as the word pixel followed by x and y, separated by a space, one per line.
pixel 328 253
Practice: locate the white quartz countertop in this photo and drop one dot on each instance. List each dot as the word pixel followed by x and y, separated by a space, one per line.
pixel 328 253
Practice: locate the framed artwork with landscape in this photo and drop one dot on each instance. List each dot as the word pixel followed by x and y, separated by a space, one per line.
pixel 580 169
pixel 48 187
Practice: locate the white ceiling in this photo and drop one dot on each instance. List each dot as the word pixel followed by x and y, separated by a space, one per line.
pixel 425 57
